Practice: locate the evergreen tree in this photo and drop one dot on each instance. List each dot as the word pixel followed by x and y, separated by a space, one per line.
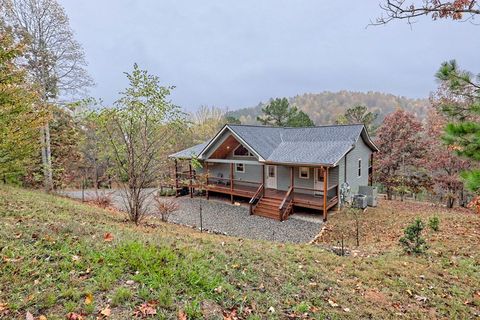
pixel 358 115
pixel 460 101
pixel 279 113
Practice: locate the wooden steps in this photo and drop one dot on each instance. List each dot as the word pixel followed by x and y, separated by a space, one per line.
pixel 268 208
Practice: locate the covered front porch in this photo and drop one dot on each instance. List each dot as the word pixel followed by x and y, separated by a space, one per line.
pixel 275 200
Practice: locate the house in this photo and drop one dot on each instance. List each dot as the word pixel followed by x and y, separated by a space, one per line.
pixel 280 169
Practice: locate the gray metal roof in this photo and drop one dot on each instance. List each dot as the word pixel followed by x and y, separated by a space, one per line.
pixel 324 145
pixel 189 152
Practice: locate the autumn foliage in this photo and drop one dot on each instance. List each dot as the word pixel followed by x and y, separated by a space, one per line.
pixel 401 153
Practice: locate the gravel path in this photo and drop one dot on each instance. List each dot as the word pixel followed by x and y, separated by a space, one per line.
pixel 224 218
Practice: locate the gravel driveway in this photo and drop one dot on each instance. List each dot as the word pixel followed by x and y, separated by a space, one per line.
pixel 224 218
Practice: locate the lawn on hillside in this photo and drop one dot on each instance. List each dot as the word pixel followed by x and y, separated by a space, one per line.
pixel 61 258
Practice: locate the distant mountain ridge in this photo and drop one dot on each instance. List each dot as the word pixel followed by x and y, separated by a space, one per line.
pixel 325 107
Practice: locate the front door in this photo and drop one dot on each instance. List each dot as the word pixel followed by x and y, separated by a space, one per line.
pixel 318 182
pixel 271 182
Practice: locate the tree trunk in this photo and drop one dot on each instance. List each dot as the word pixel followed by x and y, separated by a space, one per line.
pixel 389 194
pixel 49 157
pixel 46 157
pixel 450 202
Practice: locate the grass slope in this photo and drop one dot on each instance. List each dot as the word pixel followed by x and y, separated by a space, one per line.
pixel 54 260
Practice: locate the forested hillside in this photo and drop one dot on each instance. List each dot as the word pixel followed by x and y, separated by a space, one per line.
pixel 325 107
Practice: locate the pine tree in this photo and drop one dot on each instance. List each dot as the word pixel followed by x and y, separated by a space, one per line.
pixel 279 113
pixel 460 101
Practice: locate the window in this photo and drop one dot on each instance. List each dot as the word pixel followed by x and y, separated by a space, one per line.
pixel 239 167
pixel 359 167
pixel 241 151
pixel 304 173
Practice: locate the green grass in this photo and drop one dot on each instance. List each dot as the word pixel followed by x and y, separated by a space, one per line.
pixel 53 255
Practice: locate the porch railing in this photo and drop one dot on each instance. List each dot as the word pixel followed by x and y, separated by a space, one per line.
pixel 331 194
pixel 286 206
pixel 256 198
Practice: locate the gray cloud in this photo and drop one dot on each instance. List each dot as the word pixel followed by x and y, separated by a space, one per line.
pixel 237 53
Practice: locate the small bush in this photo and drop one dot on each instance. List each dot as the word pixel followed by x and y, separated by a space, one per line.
pixel 103 200
pixel 434 223
pixel 166 193
pixel 165 207
pixel 412 241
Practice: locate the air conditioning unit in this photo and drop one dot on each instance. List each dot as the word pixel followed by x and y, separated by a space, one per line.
pixel 371 193
pixel 359 201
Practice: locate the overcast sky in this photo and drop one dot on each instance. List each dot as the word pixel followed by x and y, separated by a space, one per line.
pixel 237 53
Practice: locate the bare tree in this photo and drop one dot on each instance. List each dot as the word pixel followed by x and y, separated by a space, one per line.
pixel 166 207
pixel 141 129
pixel 437 9
pixel 54 59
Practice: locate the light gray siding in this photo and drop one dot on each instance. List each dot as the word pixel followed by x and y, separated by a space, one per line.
pixel 283 178
pixel 360 151
pixel 252 172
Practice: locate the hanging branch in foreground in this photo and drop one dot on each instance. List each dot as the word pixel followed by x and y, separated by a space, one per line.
pixel 436 9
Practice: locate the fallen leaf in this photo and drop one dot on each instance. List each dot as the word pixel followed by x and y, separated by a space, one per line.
pixel 108 237
pixel 181 315
pixel 106 312
pixel 12 259
pixel 88 298
pixel 29 316
pixel 3 307
pixel 230 315
pixel 74 316
pixel 146 309
pixel 332 303
pixel 42 317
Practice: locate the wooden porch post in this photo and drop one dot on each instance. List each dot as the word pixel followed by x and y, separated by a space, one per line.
pixel 206 183
pixel 176 178
pixel 263 179
pixel 231 182
pixel 291 176
pixel 325 192
pixel 190 174
pixel 292 182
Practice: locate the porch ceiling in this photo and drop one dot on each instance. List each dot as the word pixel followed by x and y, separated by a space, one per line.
pixel 225 148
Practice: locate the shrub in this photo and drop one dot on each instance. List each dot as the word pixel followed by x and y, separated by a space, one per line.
pixel 166 207
pixel 103 200
pixel 412 241
pixel 434 223
pixel 166 193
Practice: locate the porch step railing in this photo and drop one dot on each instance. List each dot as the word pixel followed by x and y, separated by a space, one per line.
pixel 256 198
pixel 286 206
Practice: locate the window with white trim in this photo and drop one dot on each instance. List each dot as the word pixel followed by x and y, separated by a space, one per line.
pixel 359 167
pixel 239 167
pixel 304 173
